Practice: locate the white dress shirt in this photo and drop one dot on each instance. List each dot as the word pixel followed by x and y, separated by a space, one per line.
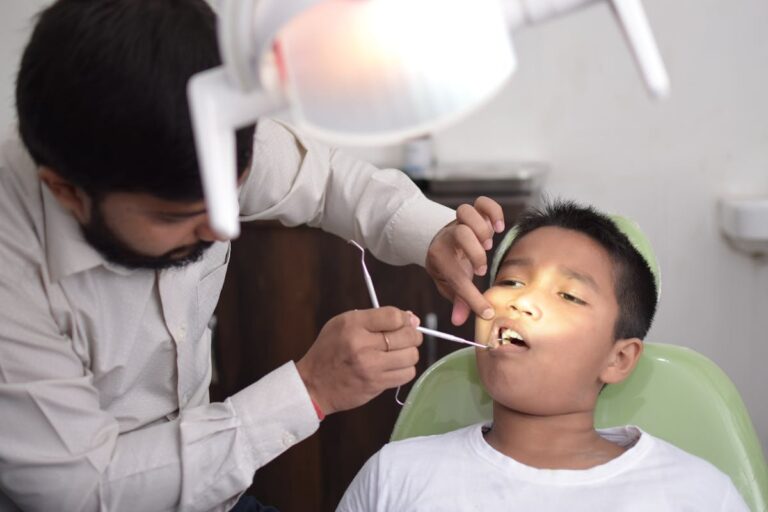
pixel 104 371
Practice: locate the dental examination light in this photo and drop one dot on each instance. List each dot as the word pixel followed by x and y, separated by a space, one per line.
pixel 365 71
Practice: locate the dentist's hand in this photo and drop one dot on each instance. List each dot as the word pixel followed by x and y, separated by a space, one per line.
pixel 457 253
pixel 351 361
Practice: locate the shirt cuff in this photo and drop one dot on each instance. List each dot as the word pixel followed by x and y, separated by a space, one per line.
pixel 276 412
pixel 414 226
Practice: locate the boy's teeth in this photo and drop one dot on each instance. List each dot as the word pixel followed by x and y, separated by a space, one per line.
pixel 509 336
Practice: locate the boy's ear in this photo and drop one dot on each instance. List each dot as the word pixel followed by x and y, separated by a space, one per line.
pixel 71 197
pixel 622 360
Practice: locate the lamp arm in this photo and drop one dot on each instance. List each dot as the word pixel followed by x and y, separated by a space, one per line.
pixel 630 15
pixel 638 32
pixel 217 110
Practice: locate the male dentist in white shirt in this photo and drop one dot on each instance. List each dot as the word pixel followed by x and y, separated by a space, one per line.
pixel 110 272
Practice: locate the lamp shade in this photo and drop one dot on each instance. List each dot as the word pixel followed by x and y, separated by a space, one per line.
pixel 351 71
pixel 366 71
pixel 379 71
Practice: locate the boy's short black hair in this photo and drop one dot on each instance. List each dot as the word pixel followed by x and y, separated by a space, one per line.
pixel 101 94
pixel 634 283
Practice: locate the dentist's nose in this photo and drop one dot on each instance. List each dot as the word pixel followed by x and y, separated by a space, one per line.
pixel 525 306
pixel 206 234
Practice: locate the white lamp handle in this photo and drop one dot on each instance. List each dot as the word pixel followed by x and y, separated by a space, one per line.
pixel 630 16
pixel 633 20
pixel 218 109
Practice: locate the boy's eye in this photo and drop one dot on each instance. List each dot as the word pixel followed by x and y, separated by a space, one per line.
pixel 514 283
pixel 169 219
pixel 572 298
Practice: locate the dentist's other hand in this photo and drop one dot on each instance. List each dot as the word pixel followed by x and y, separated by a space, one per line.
pixel 458 252
pixel 351 362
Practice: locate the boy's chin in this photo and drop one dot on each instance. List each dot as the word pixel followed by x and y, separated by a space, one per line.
pixel 534 404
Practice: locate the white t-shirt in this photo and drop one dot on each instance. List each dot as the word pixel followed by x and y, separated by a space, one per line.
pixel 460 471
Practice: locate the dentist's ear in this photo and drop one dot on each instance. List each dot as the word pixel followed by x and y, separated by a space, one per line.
pixel 70 196
pixel 622 360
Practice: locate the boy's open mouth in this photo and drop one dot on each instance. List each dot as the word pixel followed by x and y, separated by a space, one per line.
pixel 507 337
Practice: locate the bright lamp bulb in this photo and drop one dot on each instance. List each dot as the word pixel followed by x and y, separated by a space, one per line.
pixel 379 71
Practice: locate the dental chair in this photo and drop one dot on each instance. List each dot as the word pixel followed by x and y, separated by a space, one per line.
pixel 674 393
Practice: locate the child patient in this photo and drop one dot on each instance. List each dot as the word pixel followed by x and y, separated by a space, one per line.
pixel 573 300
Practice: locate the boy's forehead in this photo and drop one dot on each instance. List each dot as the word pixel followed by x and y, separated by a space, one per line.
pixel 563 247
pixel 555 237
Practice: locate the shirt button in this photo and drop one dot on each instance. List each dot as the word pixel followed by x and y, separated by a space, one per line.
pixel 288 439
pixel 181 332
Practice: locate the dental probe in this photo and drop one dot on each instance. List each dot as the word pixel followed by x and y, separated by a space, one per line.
pixel 449 337
pixel 367 276
pixel 425 330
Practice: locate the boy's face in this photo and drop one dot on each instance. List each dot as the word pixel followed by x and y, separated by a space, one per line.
pixel 555 289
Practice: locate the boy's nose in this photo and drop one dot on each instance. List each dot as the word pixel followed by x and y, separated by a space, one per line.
pixel 525 306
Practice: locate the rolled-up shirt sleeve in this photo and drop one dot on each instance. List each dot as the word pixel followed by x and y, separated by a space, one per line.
pixel 299 181
pixel 61 451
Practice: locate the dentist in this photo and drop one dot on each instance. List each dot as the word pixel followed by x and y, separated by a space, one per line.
pixel 110 272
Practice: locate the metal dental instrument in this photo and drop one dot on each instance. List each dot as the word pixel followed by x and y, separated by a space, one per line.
pixel 449 337
pixel 367 276
pixel 429 332
pixel 425 330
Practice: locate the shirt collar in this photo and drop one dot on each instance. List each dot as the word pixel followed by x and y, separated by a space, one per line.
pixel 67 250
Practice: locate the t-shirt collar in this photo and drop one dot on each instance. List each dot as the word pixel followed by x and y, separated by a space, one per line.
pixel 630 437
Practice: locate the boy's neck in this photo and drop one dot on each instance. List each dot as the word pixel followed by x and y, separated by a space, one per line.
pixel 567 441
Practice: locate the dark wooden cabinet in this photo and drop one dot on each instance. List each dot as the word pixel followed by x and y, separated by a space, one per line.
pixel 282 286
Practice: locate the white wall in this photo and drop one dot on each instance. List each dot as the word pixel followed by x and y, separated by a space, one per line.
pixel 15 24
pixel 577 103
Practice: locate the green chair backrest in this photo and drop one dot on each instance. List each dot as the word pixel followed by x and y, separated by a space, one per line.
pixel 674 393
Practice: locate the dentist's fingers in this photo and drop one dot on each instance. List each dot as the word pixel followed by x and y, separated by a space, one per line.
pixel 351 361
pixel 480 225
pixel 468 243
pixel 491 210
pixel 401 359
pixel 396 378
pixel 386 319
pixel 458 287
pixel 467 292
pixel 460 312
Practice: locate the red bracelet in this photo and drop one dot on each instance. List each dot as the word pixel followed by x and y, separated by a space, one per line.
pixel 318 410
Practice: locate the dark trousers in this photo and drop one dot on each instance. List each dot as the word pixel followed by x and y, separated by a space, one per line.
pixel 251 504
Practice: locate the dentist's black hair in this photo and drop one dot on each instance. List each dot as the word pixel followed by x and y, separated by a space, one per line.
pixel 101 94
pixel 634 283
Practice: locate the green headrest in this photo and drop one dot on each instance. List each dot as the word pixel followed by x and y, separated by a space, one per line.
pixel 626 226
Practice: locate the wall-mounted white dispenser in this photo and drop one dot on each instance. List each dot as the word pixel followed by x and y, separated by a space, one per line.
pixel 744 222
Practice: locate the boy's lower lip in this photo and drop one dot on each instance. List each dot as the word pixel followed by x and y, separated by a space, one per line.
pixel 509 349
